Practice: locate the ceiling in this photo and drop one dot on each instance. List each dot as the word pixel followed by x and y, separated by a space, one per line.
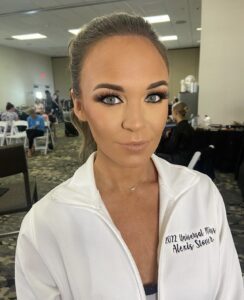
pixel 54 17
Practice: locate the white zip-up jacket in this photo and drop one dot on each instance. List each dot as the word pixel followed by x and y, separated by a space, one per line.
pixel 69 248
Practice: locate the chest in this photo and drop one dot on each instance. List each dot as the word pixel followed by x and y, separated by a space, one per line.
pixel 99 258
pixel 136 217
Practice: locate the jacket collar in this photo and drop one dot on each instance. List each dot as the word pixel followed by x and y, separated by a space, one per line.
pixel 81 188
pixel 174 179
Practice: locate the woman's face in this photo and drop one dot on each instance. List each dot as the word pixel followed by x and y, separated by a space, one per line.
pixel 124 98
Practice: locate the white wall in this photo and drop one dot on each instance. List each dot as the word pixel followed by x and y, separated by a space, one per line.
pixel 19 71
pixel 221 71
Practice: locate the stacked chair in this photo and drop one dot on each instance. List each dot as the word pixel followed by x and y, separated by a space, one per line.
pixel 20 195
pixel 42 142
pixel 17 133
pixel 3 132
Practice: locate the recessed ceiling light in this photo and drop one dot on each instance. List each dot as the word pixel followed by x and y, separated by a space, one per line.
pixel 157 19
pixel 74 31
pixel 31 12
pixel 199 28
pixel 168 38
pixel 31 36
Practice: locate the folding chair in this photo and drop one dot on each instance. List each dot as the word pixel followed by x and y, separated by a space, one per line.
pixel 203 161
pixel 195 158
pixel 3 132
pixel 42 142
pixel 19 196
pixel 16 135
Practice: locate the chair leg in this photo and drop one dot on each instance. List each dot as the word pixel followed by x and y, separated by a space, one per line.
pixel 47 142
pixel 9 234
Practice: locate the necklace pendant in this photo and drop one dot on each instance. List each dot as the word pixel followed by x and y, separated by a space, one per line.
pixel 132 188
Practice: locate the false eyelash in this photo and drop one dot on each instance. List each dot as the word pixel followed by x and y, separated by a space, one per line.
pixel 102 96
pixel 162 96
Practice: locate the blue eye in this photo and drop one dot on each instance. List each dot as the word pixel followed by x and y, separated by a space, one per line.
pixel 157 97
pixel 109 99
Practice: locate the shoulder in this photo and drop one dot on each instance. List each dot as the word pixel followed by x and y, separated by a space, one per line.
pixel 76 192
pixel 178 179
pixel 45 210
pixel 185 124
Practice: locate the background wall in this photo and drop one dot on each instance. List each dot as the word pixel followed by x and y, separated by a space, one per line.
pixel 19 71
pixel 183 62
pixel 221 73
pixel 61 75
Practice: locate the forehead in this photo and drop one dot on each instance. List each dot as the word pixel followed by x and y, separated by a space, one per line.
pixel 123 56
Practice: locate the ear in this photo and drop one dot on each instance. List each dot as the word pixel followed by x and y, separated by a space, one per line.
pixel 78 107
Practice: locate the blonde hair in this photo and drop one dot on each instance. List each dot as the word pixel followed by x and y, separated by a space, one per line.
pixel 98 29
pixel 181 108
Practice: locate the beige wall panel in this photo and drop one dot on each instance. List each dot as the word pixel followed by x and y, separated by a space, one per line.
pixel 61 74
pixel 182 62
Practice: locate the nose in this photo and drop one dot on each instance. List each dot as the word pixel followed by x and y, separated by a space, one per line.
pixel 133 119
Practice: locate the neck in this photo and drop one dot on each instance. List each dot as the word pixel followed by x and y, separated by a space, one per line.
pixel 178 120
pixel 111 176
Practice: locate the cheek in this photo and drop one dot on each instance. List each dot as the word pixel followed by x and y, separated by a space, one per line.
pixel 159 117
pixel 101 123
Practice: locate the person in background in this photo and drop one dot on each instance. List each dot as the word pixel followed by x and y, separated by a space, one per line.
pixel 56 97
pixel 45 116
pixel 48 101
pixel 57 106
pixel 9 115
pixel 36 127
pixel 176 100
pixel 176 146
pixel 39 107
pixel 128 225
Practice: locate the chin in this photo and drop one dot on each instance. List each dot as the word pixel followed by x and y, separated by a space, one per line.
pixel 127 157
pixel 133 160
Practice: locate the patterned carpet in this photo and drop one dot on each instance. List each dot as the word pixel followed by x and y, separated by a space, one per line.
pixel 57 166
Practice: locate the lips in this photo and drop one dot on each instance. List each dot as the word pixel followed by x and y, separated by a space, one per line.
pixel 135 146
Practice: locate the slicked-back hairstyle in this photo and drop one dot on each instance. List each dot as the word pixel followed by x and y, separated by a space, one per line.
pixel 117 24
pixel 181 108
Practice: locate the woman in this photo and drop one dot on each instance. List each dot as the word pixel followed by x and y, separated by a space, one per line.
pixel 39 107
pixel 126 218
pixel 9 115
pixel 177 147
pixel 36 127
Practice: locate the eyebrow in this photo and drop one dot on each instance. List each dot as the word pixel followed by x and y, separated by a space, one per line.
pixel 156 84
pixel 109 86
pixel 121 89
